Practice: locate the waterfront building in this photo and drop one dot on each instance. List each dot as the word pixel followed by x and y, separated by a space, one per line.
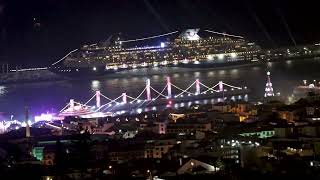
pixel 259 133
pixel 188 127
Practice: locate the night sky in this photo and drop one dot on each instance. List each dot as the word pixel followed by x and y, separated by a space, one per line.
pixel 38 32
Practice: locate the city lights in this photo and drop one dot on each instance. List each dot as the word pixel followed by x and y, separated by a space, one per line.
pixel 43 117
pixel 149 100
pixel 220 56
pixel 210 57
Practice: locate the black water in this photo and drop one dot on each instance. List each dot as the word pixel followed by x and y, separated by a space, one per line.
pixel 52 96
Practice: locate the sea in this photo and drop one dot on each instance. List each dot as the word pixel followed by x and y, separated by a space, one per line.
pixel 52 96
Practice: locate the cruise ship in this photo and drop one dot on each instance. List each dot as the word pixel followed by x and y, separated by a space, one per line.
pixel 186 49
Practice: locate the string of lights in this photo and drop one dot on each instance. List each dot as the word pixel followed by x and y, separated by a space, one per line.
pixel 64 57
pixel 160 93
pixel 211 89
pixel 224 34
pixel 65 107
pixel 137 98
pixel 151 37
pixel 208 88
pixel 90 99
pixel 184 90
pixel 114 102
pixel 107 97
pixel 231 86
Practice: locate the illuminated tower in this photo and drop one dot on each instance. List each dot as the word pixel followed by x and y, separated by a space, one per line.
pixel 148 90
pixel 269 89
pixel 169 87
pixel 98 104
pixel 27 123
pixel 197 86
pixel 124 98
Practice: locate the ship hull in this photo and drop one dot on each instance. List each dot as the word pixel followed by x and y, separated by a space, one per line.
pixel 73 72
pixel 219 65
pixel 79 72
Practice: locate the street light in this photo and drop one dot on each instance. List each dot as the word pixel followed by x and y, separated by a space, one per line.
pixel 150 174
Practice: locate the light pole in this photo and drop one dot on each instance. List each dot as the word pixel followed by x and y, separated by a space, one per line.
pixel 150 174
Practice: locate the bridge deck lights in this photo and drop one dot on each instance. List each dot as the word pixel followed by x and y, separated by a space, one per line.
pixel 184 92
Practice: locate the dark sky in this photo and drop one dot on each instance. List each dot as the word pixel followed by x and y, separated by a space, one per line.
pixel 68 24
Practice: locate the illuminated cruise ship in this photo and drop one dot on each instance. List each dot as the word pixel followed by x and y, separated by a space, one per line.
pixel 188 49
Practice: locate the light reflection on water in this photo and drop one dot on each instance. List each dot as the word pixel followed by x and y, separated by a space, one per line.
pixel 47 95
pixel 222 72
pixel 95 85
pixel 2 90
pixel 176 75
pixel 211 74
pixel 197 74
pixel 234 71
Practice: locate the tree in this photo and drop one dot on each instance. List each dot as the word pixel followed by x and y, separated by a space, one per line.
pixel 220 164
pixel 60 160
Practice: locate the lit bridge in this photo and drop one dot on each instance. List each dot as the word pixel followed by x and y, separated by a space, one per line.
pixel 125 102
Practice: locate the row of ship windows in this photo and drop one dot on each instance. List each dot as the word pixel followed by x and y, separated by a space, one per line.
pixel 146 60
pixel 155 48
pixel 158 56
pixel 216 47
pixel 189 50
pixel 182 41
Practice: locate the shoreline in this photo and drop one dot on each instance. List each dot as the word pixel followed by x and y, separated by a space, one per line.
pixel 137 73
pixel 22 77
